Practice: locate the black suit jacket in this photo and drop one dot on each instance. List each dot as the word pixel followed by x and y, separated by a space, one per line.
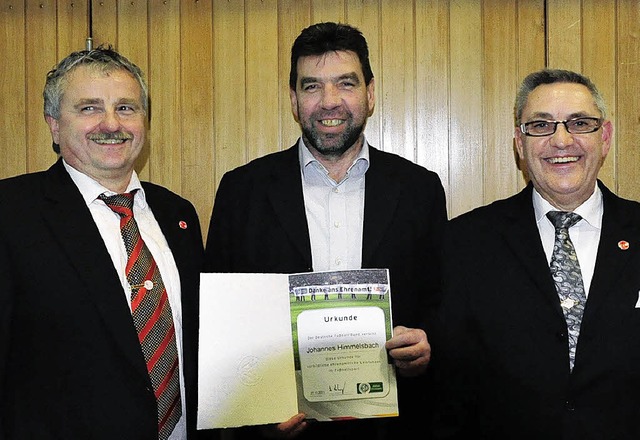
pixel 259 225
pixel 70 361
pixel 502 355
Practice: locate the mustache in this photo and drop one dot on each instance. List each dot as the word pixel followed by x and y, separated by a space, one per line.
pixel 120 136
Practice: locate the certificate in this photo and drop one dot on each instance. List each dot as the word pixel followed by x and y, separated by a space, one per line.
pixel 310 342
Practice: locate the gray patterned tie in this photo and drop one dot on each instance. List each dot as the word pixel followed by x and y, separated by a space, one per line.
pixel 566 273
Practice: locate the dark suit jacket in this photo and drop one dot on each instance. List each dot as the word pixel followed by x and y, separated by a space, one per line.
pixel 502 355
pixel 70 361
pixel 259 225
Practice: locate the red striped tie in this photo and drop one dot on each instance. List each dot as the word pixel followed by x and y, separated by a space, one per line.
pixel 152 316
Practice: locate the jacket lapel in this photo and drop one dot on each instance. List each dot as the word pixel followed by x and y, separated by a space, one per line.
pixel 72 226
pixel 287 199
pixel 382 191
pixel 521 235
pixel 619 225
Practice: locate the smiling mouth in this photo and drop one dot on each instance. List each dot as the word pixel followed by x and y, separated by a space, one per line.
pixel 110 139
pixel 567 159
pixel 331 122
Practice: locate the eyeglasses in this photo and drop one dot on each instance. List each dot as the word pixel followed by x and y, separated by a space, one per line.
pixel 573 126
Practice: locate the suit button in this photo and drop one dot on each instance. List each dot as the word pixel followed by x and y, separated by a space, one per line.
pixel 562 336
pixel 569 405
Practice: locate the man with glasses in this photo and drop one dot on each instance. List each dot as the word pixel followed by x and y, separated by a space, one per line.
pixel 539 334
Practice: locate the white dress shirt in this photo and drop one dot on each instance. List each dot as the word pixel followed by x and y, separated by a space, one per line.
pixel 108 223
pixel 335 211
pixel 585 235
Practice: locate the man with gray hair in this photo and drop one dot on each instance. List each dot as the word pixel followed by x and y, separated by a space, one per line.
pixel 98 273
pixel 539 328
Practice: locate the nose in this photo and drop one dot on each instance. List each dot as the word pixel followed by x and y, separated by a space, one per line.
pixel 331 97
pixel 561 138
pixel 110 121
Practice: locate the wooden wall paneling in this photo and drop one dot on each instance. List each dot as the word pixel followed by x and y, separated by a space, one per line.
pixel 599 64
pixel 365 15
pixel 196 103
pixel 263 83
pixel 531 51
pixel 104 23
pixel 564 34
pixel 229 106
pixel 41 56
pixel 397 93
pixel 293 17
pixel 73 26
pixel 500 78
pixel 165 128
pixel 466 118
pixel 432 86
pixel 628 111
pixel 133 42
pixel 327 10
pixel 13 93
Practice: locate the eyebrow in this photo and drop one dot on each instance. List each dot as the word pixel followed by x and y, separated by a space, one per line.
pixel 548 116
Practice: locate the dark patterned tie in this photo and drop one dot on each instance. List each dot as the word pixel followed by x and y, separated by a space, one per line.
pixel 152 316
pixel 566 273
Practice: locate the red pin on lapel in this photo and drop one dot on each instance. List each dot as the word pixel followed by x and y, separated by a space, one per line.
pixel 182 224
pixel 624 245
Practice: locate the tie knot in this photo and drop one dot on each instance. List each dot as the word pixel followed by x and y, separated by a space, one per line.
pixel 563 219
pixel 120 203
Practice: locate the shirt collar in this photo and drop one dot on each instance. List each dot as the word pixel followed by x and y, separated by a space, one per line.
pixel 90 189
pixel 591 210
pixel 308 163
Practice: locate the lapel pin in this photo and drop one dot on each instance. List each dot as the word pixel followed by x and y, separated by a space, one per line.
pixel 624 245
pixel 182 224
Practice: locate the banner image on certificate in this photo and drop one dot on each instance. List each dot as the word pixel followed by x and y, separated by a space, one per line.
pixel 273 345
pixel 341 321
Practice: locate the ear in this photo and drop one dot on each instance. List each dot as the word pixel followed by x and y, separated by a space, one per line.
pixel 607 135
pixel 517 134
pixel 294 104
pixel 54 128
pixel 371 96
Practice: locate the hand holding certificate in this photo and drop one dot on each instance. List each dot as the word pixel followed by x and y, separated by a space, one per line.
pixel 338 325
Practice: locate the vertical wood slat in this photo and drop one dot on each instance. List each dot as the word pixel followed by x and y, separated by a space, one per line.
pixel 397 96
pixel 13 93
pixel 165 128
pixel 564 33
pixel 261 58
pixel 41 56
pixel 628 104
pixel 466 149
pixel 196 95
pixel 293 16
pixel 432 87
pixel 229 105
pixel 599 64
pixel 104 23
pixel 501 176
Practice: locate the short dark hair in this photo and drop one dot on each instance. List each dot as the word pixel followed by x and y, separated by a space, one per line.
pixel 321 38
pixel 550 76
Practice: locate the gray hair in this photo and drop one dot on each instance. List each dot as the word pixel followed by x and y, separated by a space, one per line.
pixel 102 58
pixel 550 76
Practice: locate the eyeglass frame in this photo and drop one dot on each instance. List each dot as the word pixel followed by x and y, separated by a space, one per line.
pixel 523 126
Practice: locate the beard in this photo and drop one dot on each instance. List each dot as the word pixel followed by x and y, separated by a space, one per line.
pixel 332 145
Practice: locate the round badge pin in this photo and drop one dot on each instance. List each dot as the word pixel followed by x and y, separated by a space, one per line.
pixel 624 245
pixel 148 284
pixel 182 224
